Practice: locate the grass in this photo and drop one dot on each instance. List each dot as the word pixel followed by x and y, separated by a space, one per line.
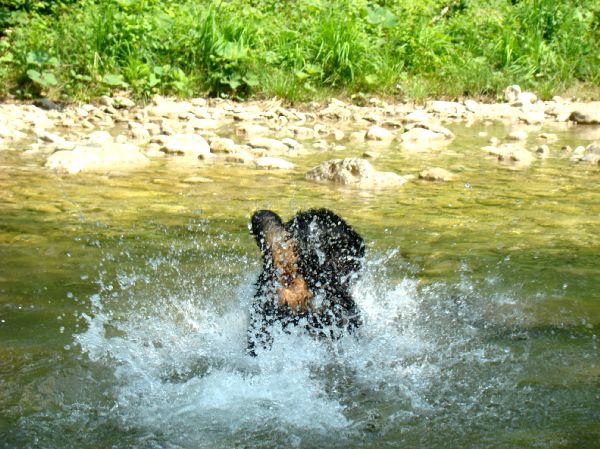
pixel 299 49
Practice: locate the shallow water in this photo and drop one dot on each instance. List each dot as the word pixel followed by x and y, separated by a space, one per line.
pixel 123 308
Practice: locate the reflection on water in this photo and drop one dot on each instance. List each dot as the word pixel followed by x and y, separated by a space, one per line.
pixel 123 307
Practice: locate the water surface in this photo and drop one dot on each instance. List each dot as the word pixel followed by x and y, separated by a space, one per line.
pixel 124 298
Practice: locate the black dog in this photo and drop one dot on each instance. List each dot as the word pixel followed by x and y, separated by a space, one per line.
pixel 308 267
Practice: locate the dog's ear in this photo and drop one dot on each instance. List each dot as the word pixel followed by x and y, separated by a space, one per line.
pixel 266 226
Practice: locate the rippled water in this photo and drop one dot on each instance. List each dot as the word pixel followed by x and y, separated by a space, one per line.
pixel 124 299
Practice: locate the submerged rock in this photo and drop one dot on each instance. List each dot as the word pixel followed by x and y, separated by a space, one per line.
pixel 270 163
pixel 511 154
pixel 436 174
pixel 97 158
pixel 542 151
pixel 353 171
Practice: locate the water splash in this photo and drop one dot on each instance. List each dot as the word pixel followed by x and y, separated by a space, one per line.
pixel 181 373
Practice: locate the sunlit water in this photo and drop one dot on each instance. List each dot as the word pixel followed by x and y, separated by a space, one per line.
pixel 124 300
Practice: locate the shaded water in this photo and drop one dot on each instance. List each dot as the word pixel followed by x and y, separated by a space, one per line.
pixel 123 304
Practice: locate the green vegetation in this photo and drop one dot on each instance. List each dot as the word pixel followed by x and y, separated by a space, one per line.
pixel 297 49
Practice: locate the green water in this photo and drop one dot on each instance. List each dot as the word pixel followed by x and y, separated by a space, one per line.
pixel 521 248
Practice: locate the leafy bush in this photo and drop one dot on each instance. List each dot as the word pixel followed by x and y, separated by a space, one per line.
pixel 298 48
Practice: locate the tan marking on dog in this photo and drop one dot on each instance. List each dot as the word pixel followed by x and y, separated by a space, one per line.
pixel 294 291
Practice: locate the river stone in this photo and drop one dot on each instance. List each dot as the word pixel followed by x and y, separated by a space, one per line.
pixel 513 155
pixel 517 134
pixel 379 134
pixel 447 108
pixel 417 116
pixel 192 145
pixel 99 137
pixel 97 158
pixel 542 151
pixel 48 137
pixel 250 130
pixel 203 123
pixel 169 108
pixel 592 153
pixel 123 103
pixel 303 133
pixel 524 100
pixel 291 143
pixel 357 136
pixel 239 157
pixel 137 132
pixel 436 174
pixel 511 93
pixel 420 137
pixel 221 145
pixel 272 145
pixel 588 114
pixel 269 163
pixel 353 171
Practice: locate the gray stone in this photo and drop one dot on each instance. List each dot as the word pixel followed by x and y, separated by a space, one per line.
pixel 353 171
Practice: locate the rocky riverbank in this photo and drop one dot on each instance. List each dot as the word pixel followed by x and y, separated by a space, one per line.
pixel 116 135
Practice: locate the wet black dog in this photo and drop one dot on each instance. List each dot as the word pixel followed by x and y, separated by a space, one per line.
pixel 309 264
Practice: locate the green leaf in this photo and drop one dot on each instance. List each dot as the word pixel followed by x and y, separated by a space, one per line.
pixel 371 79
pixel 37 58
pixel 34 75
pixel 44 79
pixel 378 15
pixel 8 57
pixel 251 79
pixel 114 80
pixel 153 80
pixel 232 51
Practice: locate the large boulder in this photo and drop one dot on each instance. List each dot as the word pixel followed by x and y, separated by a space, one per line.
pixel 102 158
pixel 353 171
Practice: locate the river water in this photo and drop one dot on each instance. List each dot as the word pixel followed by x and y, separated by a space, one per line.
pixel 124 299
